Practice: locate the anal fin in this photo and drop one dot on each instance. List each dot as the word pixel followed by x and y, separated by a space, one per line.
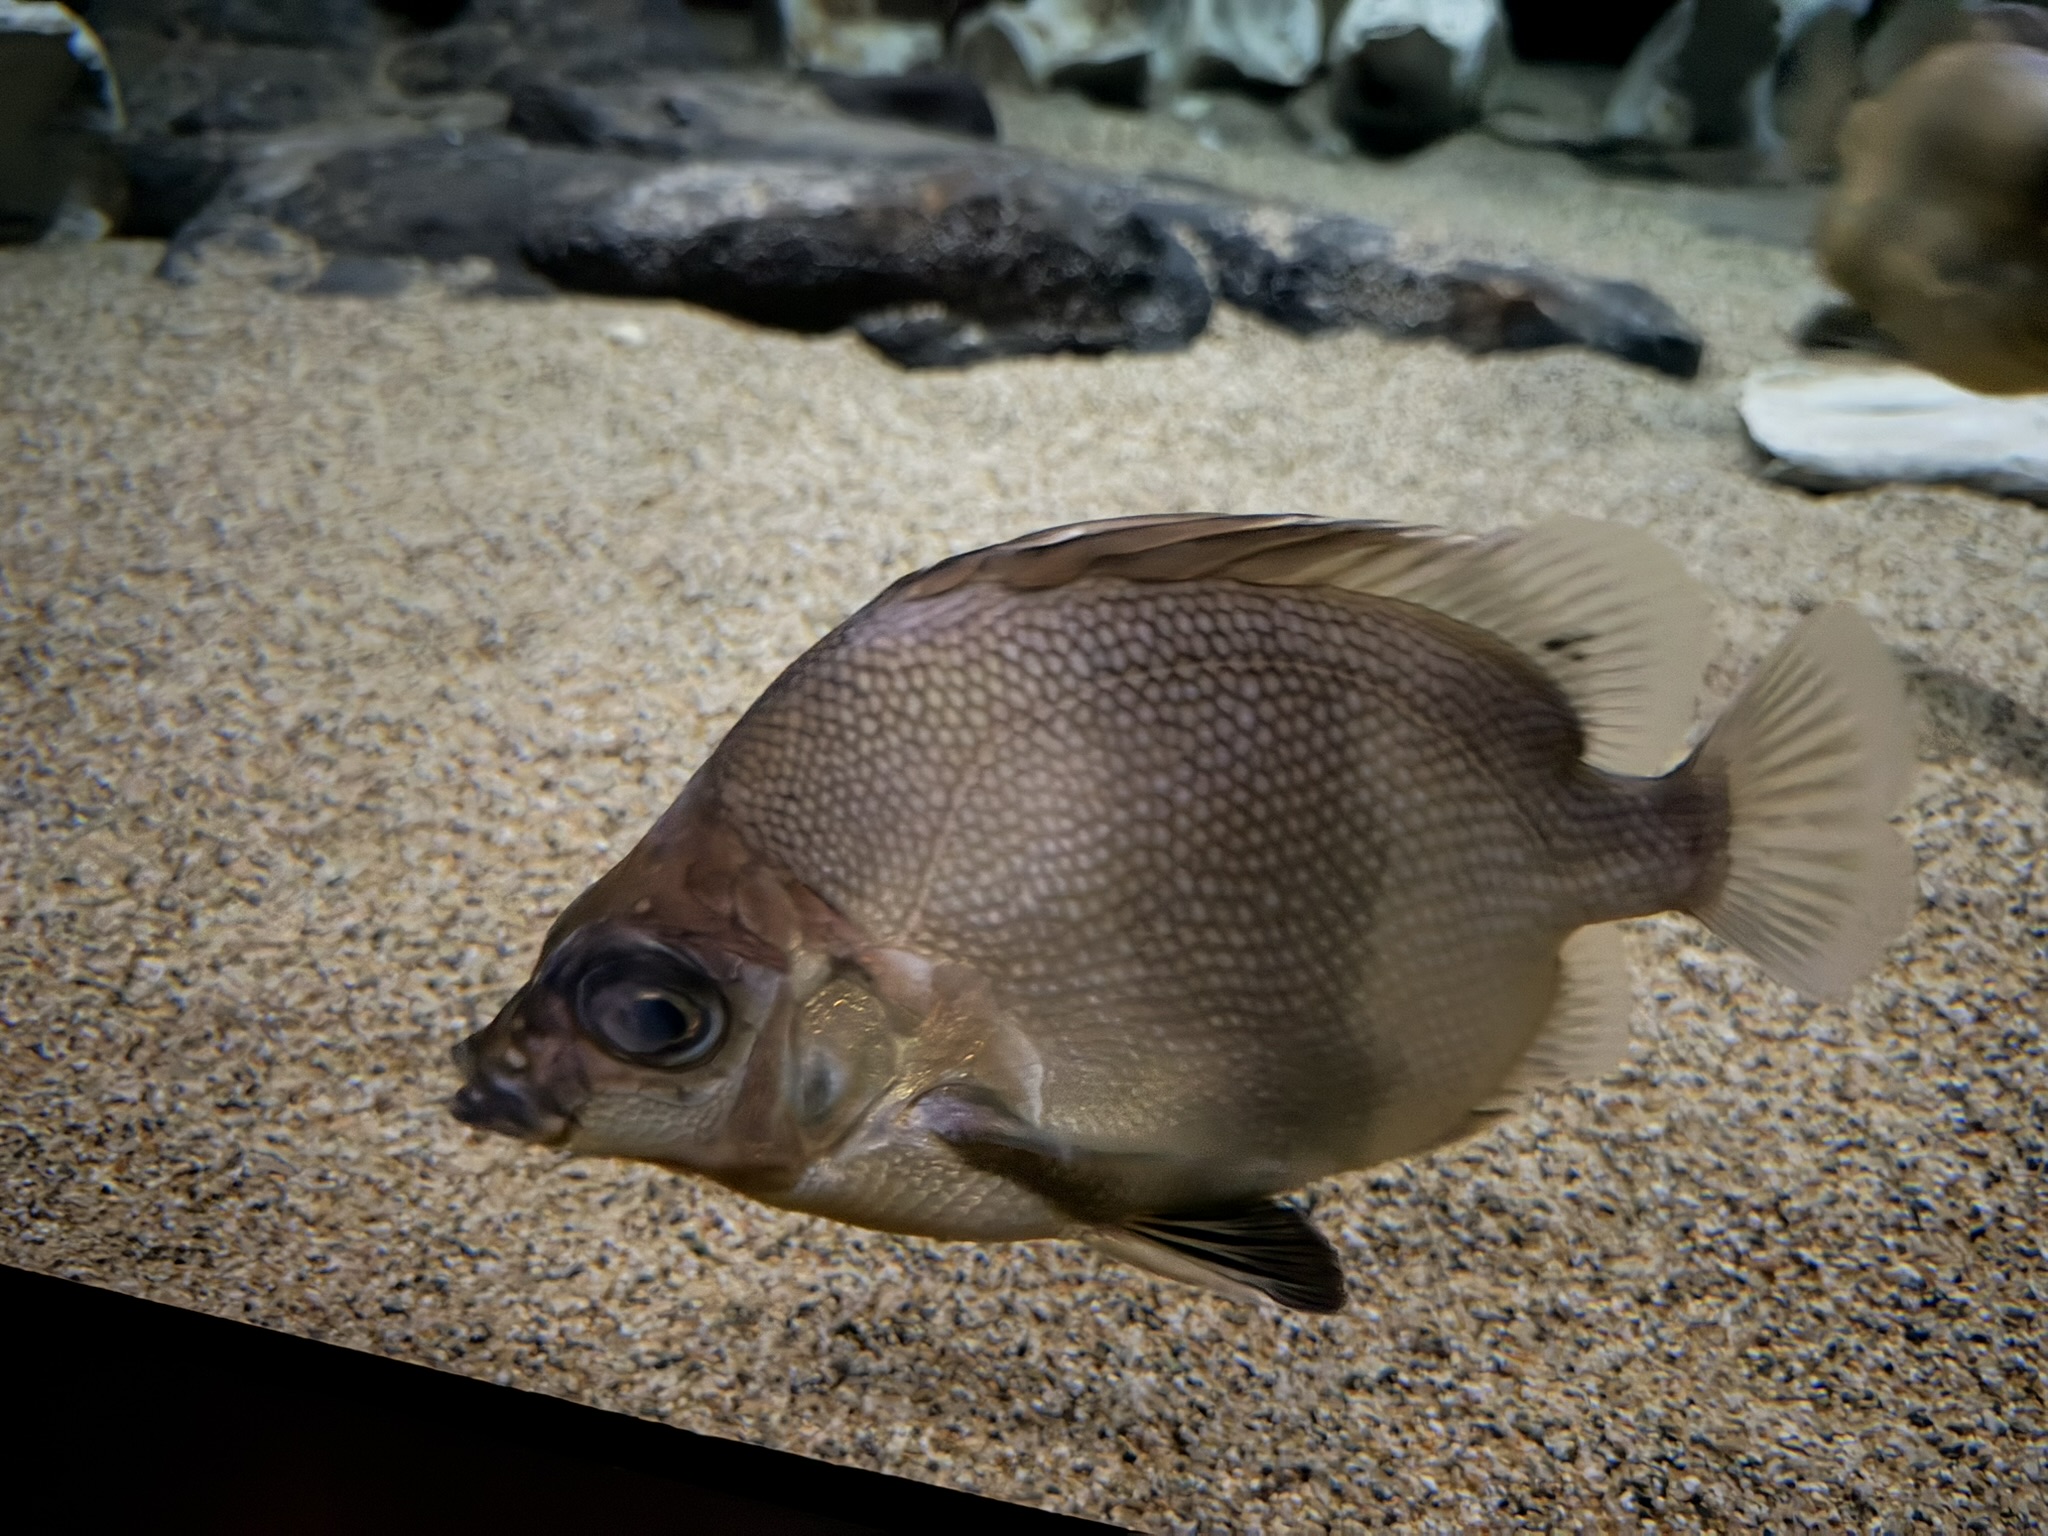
pixel 1247 1250
pixel 1586 1032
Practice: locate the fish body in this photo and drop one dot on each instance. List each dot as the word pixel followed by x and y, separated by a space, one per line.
pixel 1114 881
pixel 1938 224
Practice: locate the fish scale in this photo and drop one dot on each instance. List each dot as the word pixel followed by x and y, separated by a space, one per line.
pixel 1111 882
pixel 1260 934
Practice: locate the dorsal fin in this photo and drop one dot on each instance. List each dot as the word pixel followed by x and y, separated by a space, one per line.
pixel 1603 610
pixel 1283 549
pixel 1606 611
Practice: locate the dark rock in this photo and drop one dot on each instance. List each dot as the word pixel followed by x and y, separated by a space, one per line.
pixel 460 58
pixel 752 197
pixel 59 111
pixel 1001 256
pixel 943 99
pixel 285 23
pixel 1520 309
pixel 362 277
pixel 1313 273
pixel 171 179
pixel 201 87
pixel 428 197
pixel 1005 255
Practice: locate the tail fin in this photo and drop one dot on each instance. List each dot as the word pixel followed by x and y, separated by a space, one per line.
pixel 1816 753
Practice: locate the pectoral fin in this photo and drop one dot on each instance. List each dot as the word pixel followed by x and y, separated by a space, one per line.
pixel 1244 1251
pixel 1088 1184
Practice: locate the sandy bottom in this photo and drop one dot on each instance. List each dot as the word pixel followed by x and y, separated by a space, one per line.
pixel 348 640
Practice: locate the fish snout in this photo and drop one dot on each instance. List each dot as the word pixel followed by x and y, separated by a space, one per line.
pixel 496 1095
pixel 499 1091
pixel 490 1101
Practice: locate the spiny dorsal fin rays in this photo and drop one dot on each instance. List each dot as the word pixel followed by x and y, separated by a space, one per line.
pixel 1169 548
pixel 1603 610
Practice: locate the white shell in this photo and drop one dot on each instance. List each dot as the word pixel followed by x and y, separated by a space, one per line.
pixel 1465 27
pixel 854 37
pixel 1278 41
pixel 1836 427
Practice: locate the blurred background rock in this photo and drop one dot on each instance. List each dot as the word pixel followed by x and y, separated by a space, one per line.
pixel 239 127
pixel 1721 92
pixel 60 110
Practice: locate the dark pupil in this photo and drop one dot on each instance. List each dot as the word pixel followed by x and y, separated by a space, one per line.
pixel 645 1025
pixel 649 1006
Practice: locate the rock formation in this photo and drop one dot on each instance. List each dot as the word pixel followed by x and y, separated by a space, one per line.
pixel 753 196
pixel 60 109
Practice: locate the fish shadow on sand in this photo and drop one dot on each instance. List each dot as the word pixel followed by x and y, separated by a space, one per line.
pixel 1966 718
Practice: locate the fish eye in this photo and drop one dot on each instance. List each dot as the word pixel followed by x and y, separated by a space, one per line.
pixel 652 1008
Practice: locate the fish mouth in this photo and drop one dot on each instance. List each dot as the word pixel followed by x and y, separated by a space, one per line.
pixel 491 1100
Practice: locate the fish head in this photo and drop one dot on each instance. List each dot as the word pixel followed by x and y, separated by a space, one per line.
pixel 624 1042
pixel 689 1010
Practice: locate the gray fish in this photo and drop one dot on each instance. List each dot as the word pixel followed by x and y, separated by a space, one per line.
pixel 1114 881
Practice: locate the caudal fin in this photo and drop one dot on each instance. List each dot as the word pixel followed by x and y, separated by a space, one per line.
pixel 1816 753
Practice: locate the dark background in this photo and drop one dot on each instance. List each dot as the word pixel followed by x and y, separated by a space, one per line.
pixel 131 1414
